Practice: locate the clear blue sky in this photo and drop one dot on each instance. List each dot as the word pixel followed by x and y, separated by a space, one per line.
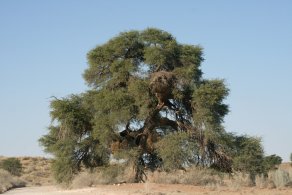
pixel 43 46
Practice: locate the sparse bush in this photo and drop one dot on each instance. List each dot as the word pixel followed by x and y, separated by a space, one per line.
pixel 12 165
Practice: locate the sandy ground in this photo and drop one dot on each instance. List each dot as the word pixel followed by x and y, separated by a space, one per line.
pixel 147 189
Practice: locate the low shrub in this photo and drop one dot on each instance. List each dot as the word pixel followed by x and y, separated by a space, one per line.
pixel 12 165
pixel 7 181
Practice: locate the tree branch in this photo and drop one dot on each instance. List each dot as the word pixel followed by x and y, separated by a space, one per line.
pixel 167 122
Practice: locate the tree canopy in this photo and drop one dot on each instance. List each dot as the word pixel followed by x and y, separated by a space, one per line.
pixel 147 94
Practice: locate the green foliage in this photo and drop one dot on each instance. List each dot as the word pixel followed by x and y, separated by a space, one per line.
pixel 248 156
pixel 71 140
pixel 12 165
pixel 64 169
pixel 176 151
pixel 208 103
pixel 271 161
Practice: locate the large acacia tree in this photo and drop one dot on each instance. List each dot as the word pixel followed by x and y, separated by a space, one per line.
pixel 147 95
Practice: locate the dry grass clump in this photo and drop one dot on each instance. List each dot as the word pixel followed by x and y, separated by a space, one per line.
pixel 104 175
pixel 125 174
pixel 263 182
pixel 279 178
pixel 238 180
pixel 192 176
pixel 84 179
pixel 7 181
